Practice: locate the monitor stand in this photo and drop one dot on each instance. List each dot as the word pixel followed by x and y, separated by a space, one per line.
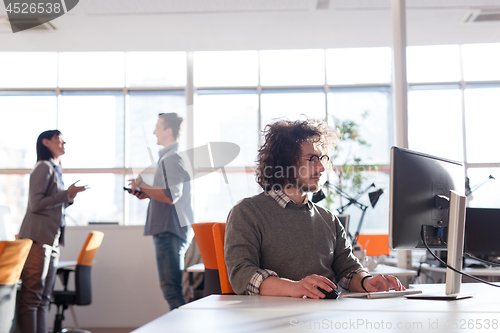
pixel 455 247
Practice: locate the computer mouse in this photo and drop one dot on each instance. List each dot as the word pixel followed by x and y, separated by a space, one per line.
pixel 334 294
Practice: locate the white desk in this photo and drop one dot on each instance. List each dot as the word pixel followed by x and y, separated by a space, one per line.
pixel 495 271
pixel 491 274
pixel 397 271
pixel 227 313
pixel 196 268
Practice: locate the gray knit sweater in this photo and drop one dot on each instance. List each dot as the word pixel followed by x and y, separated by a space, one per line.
pixel 294 242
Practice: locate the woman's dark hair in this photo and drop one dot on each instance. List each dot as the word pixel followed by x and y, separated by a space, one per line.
pixel 279 155
pixel 42 152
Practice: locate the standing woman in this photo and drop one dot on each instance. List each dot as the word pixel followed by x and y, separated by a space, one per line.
pixel 44 224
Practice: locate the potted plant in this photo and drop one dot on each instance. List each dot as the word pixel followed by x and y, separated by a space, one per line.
pixel 347 173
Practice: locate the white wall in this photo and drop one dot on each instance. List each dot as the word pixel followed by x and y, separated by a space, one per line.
pixel 126 290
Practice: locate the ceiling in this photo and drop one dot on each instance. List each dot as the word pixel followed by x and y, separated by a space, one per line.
pixel 188 25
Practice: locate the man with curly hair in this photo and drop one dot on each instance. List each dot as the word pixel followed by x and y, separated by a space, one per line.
pixel 278 242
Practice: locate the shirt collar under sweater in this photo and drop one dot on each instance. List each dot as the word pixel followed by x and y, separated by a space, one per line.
pixel 282 199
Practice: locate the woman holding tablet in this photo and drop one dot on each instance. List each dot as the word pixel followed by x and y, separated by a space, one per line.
pixel 44 224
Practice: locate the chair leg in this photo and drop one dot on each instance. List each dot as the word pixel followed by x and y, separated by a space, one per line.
pixel 59 318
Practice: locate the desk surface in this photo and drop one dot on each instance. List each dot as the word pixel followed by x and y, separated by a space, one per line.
pixel 397 271
pixel 196 268
pixel 495 271
pixel 486 300
pixel 227 313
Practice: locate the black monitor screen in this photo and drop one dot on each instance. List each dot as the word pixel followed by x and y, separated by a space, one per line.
pixel 344 220
pixel 482 231
pixel 416 180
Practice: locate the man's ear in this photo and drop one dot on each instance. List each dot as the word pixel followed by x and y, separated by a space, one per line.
pixel 169 131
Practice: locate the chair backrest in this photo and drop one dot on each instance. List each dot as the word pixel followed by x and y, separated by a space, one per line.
pixel 13 255
pixel 219 230
pixel 376 245
pixel 205 239
pixel 83 285
pixel 89 249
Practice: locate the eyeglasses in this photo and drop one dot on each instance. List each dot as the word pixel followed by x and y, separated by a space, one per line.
pixel 314 159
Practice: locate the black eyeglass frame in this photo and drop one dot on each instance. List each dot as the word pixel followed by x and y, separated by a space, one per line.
pixel 315 159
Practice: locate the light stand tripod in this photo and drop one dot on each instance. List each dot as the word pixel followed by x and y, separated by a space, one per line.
pixel 374 196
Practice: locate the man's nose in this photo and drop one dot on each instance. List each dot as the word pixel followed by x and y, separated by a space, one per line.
pixel 321 167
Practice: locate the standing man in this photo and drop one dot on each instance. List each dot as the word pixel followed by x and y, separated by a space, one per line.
pixel 169 213
pixel 279 243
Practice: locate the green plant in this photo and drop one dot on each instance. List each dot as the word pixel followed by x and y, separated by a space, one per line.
pixel 347 173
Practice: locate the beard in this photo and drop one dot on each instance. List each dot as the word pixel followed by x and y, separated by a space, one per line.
pixel 308 185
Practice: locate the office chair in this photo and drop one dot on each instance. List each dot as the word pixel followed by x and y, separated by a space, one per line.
pixel 13 255
pixel 219 230
pixel 205 240
pixel 82 295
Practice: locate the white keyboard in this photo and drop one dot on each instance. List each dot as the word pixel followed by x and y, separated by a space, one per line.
pixel 382 294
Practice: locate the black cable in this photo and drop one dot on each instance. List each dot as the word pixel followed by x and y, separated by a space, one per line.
pixel 419 269
pixel 471 256
pixel 487 262
pixel 422 235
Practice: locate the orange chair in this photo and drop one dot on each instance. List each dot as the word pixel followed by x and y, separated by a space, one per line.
pixel 219 230
pixel 82 295
pixel 13 255
pixel 205 240
pixel 376 245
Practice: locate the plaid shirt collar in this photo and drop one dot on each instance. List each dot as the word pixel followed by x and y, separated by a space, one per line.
pixel 282 199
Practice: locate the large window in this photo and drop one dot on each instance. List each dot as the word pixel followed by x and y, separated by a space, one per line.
pixel 91 69
pixel 24 116
pixel 453 106
pixel 435 121
pixel 292 68
pixel 107 103
pixel 292 104
pixel 482 113
pixel 439 63
pixel 28 69
pixel 367 107
pixel 92 126
pixel 358 66
pixel 480 62
pixel 228 116
pixel 226 69
pixel 156 69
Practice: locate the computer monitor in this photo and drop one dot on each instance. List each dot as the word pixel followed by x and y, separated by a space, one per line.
pixel 482 227
pixel 344 220
pixel 427 198
pixel 417 180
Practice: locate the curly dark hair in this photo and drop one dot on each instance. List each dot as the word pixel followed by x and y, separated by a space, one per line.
pixel 280 152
